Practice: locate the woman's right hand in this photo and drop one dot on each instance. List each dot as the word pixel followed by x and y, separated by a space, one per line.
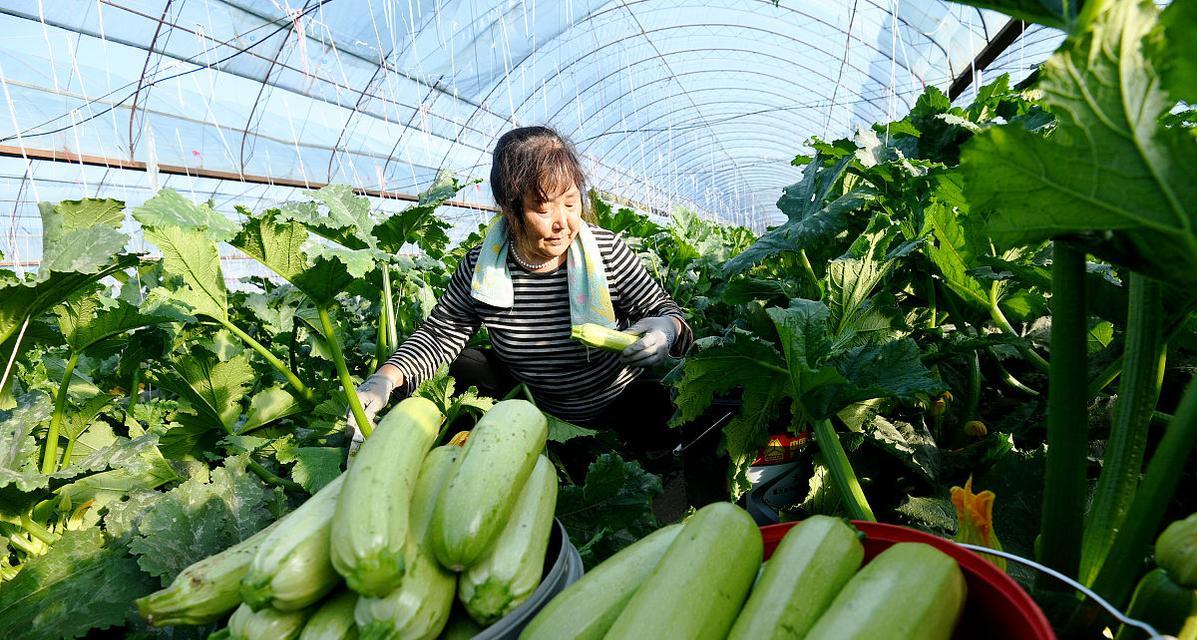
pixel 374 393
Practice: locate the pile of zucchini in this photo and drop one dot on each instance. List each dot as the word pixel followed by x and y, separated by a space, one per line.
pixel 703 579
pixel 383 551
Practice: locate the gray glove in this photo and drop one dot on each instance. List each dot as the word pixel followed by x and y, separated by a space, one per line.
pixel 374 393
pixel 657 335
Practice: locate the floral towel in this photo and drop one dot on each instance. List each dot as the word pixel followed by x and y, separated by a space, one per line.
pixel 589 297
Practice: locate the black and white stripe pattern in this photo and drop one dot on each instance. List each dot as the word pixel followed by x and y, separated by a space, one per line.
pixel 532 337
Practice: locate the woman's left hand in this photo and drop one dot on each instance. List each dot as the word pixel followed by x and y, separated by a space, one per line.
pixel 656 339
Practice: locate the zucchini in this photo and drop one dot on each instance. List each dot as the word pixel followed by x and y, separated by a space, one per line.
pixel 511 571
pixel 1176 551
pixel 813 562
pixel 697 589
pixel 586 609
pixel 600 337
pixel 495 463
pixel 420 606
pixel 205 591
pixel 291 569
pixel 910 590
pixel 460 627
pixel 1160 602
pixel 333 620
pixel 266 623
pixel 369 530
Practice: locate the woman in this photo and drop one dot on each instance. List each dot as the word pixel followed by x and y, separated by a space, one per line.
pixel 541 269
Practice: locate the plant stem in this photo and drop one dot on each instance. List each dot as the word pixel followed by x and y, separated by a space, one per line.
pixel 1106 376
pixel 355 405
pixel 1009 378
pixel 380 334
pixel 392 330
pixel 50 458
pixel 1146 513
pixel 999 318
pixel 1138 393
pixel 809 271
pixel 973 398
pixel 134 392
pixel 1067 425
pixel 527 393
pixel 515 391
pixel 841 471
pixel 931 306
pixel 38 531
pixel 304 393
pixel 271 478
pixel 12 358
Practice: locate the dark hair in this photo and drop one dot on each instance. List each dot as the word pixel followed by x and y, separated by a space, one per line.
pixel 536 162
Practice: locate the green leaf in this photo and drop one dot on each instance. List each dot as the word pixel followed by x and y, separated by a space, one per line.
pixel 852 278
pixel 81 236
pixel 935 515
pixel 212 389
pixel 280 247
pixel 562 431
pixel 812 218
pixel 888 370
pixel 346 218
pixel 81 584
pixel 912 444
pixel 137 465
pixel 168 210
pixel 192 257
pixel 440 390
pixel 196 519
pixel 746 289
pixel 357 262
pixel 317 466
pixel 19 463
pixel 716 365
pixel 269 405
pixel 1051 13
pixel 1179 51
pixel 802 329
pixel 612 509
pixel 19 301
pixel 954 252
pixel 1109 165
pixel 87 320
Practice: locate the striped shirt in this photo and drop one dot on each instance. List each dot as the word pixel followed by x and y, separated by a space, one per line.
pixel 532 337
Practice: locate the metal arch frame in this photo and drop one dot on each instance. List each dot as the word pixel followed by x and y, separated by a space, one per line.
pixel 683 51
pixel 683 150
pixel 656 134
pixel 149 54
pixel 560 70
pixel 626 4
pixel 263 84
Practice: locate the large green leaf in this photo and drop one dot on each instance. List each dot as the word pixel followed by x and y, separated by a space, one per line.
pixel 212 389
pixel 19 301
pixel 852 278
pixel 281 248
pixel 19 464
pixel 89 319
pixel 81 584
pixel 269 405
pixel 611 510
pixel 803 330
pixel 813 218
pixel 80 236
pixel 192 258
pixel 1109 165
pixel 169 210
pixel 197 519
pixel 137 465
pixel 1179 49
pixel 1052 13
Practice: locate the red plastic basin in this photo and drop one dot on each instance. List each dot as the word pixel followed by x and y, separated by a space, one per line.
pixel 997 607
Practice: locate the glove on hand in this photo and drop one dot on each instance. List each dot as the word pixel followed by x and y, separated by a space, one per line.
pixel 656 339
pixel 374 393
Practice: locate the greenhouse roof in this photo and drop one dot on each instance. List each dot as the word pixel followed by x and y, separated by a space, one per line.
pixel 695 104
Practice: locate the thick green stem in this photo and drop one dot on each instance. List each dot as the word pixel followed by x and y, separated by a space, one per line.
pixel 841 471
pixel 1146 514
pixel 355 405
pixel 50 457
pixel 380 338
pixel 392 329
pixel 527 393
pixel 21 543
pixel 1106 377
pixel 134 392
pixel 38 531
pixel 973 399
pixel 1138 393
pixel 1009 378
pixel 1067 424
pixel 809 272
pixel 304 393
pixel 272 478
pixel 931 305
pixel 999 318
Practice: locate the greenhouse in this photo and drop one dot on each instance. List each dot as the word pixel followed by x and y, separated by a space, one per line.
pixel 619 319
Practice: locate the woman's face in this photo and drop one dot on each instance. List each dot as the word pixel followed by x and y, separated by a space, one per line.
pixel 550 226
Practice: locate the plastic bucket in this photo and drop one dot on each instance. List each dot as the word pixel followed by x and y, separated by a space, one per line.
pixel 997 607
pixel 562 567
